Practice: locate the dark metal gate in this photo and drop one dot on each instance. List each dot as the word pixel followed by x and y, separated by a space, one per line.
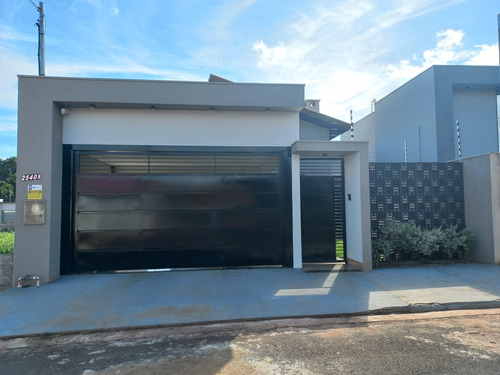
pixel 323 210
pixel 138 210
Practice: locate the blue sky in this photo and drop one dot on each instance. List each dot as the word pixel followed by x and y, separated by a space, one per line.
pixel 347 52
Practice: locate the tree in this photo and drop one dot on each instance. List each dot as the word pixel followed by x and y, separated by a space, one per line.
pixel 8 169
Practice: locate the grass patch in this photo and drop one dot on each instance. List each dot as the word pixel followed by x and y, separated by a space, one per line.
pixel 339 249
pixel 6 242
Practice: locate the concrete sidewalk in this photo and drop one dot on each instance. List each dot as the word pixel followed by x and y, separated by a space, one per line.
pixel 109 301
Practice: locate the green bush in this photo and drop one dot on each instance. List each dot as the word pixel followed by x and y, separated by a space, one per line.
pixel 6 242
pixel 383 248
pixel 7 228
pixel 466 238
pixel 397 241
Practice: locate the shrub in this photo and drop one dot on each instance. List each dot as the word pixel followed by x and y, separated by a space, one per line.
pixel 410 240
pixel 426 246
pixel 466 238
pixel 436 240
pixel 384 243
pixel 451 241
pixel 6 227
pixel 6 242
pixel 397 241
pixel 393 240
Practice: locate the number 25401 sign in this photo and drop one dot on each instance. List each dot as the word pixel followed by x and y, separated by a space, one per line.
pixel 31 177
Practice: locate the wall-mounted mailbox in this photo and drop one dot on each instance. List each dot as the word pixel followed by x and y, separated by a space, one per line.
pixel 34 212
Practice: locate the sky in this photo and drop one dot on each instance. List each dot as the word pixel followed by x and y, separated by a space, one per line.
pixel 346 52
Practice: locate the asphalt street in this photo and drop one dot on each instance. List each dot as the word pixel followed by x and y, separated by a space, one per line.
pixel 439 342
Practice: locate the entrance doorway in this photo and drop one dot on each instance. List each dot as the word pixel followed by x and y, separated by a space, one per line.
pixel 323 210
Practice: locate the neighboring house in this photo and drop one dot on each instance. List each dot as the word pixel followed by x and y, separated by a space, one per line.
pixel 424 112
pixel 135 174
pixel 7 212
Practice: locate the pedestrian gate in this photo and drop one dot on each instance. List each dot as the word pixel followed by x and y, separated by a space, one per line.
pixel 323 210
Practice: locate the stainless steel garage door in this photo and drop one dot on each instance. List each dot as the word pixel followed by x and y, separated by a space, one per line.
pixel 138 210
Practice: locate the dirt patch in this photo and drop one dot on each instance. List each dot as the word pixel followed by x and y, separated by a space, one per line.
pixel 452 342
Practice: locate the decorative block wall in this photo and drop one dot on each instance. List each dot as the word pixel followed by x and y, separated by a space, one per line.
pixel 426 194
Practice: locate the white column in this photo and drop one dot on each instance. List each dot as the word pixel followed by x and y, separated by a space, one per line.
pixel 296 214
pixel 357 211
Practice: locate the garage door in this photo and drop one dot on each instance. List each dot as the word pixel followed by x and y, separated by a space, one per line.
pixel 138 210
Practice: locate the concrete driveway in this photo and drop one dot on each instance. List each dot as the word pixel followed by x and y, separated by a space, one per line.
pixel 114 301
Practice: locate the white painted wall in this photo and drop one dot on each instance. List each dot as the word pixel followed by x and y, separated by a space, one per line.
pixel 365 131
pixel 180 127
pixel 495 204
pixel 311 132
pixel 473 108
pixel 357 210
pixel 407 113
pixel 482 205
pixel 400 115
pixel 354 237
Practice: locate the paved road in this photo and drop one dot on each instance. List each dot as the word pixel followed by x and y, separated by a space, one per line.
pixel 446 342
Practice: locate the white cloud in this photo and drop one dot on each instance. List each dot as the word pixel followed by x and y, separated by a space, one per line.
pixel 269 57
pixel 12 64
pixel 8 124
pixel 405 70
pixel 448 39
pixel 7 151
pixel 8 133
pixel 9 34
pixel 119 66
pixel 404 10
pixel 285 58
pixel 485 55
pixel 233 8
pixel 226 14
pixel 331 53
pixel 111 6
pixel 352 73
pixel 448 51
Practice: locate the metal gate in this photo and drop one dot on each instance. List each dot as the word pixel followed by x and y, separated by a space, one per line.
pixel 144 210
pixel 323 210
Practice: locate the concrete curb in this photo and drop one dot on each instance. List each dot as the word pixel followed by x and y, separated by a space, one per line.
pixel 301 321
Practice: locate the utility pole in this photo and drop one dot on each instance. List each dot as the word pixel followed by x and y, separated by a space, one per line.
pixel 41 38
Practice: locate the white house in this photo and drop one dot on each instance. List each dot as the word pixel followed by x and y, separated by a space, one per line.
pixel 134 174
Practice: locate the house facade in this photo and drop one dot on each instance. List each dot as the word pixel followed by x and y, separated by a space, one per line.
pixel 134 174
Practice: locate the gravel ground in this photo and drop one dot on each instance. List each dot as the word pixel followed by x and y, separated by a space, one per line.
pixel 446 342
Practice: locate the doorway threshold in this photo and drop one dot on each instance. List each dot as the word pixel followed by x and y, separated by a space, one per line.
pixel 328 267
